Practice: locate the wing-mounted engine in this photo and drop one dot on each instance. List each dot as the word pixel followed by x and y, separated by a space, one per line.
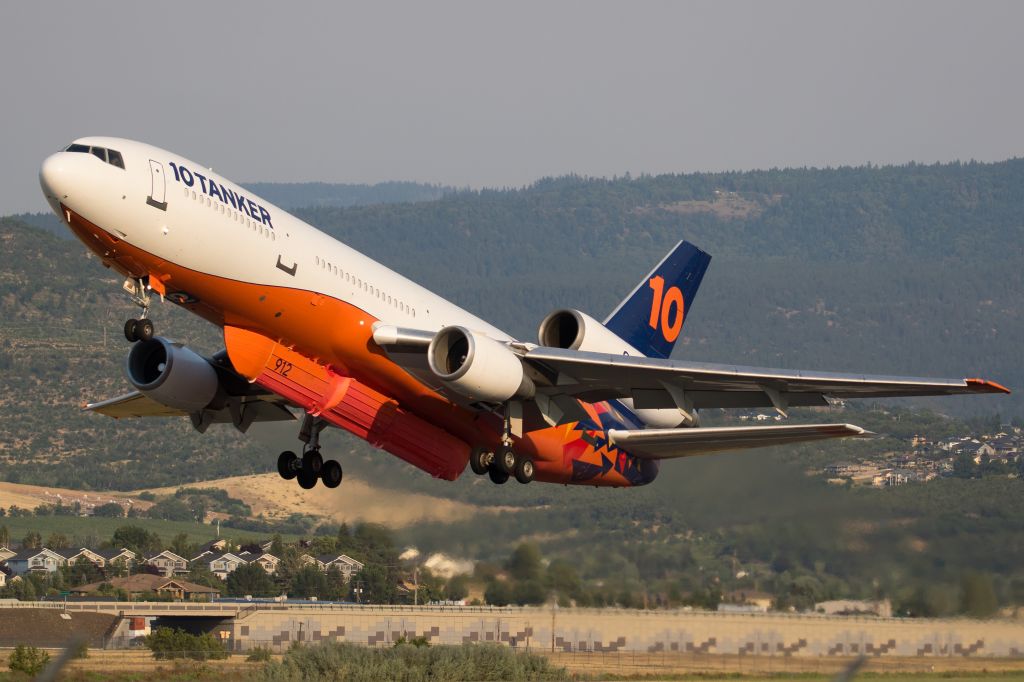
pixel 575 330
pixel 477 366
pixel 172 375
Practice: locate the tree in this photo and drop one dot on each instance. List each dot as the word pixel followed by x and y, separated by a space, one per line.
pixel 181 546
pixel 5 536
pixel 32 540
pixel 250 580
pixel 137 539
pixel 525 562
pixel 498 593
pixel 308 582
pixel 171 509
pixel 57 541
pixel 977 595
pixel 457 588
pixel 109 510
pixel 377 588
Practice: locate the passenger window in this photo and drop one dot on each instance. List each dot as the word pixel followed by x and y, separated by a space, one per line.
pixel 114 158
pixel 77 148
pixel 100 153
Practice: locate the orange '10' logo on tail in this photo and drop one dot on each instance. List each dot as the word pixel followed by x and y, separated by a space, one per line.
pixel 661 309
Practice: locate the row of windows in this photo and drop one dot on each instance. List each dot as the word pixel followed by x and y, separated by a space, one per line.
pixel 237 216
pixel 365 286
pixel 110 156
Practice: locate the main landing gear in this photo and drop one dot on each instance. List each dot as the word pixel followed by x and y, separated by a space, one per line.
pixel 141 329
pixel 311 467
pixel 505 463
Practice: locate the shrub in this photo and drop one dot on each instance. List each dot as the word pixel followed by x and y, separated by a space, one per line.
pixel 333 661
pixel 28 659
pixel 169 643
pixel 259 654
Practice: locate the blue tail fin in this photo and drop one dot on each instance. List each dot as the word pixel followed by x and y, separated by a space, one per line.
pixel 651 318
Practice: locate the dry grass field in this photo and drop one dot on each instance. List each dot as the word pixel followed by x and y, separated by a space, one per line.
pixel 275 498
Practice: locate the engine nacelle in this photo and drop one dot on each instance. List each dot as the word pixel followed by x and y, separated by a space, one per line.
pixel 576 330
pixel 172 374
pixel 477 366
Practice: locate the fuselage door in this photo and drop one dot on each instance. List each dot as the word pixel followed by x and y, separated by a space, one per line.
pixel 157 195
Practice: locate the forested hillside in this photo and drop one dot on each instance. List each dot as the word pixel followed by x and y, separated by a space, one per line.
pixel 911 270
pixel 907 270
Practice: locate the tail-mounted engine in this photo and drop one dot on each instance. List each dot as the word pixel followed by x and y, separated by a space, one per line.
pixel 576 330
pixel 172 375
pixel 477 366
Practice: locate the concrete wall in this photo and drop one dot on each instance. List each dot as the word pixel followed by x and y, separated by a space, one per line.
pixel 642 631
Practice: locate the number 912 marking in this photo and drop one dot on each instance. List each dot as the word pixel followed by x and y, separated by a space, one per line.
pixel 282 367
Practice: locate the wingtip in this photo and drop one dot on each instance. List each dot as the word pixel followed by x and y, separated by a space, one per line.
pixel 983 386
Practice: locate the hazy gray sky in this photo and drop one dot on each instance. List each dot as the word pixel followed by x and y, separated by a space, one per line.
pixel 489 94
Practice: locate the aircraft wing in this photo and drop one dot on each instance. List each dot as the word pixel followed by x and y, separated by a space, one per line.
pixel 240 410
pixel 655 383
pixel 685 442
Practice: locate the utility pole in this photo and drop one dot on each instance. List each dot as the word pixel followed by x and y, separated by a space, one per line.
pixel 416 586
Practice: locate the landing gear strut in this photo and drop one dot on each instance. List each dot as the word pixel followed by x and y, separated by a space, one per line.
pixel 141 329
pixel 311 467
pixel 505 463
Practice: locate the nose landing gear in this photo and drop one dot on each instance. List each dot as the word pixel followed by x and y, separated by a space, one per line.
pixel 311 467
pixel 141 329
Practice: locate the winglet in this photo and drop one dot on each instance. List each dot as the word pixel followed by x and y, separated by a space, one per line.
pixel 983 386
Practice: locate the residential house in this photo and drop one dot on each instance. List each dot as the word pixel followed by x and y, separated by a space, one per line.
pixel 35 561
pixel 225 564
pixel 268 561
pixel 168 563
pixel 118 561
pixel 6 553
pixel 71 556
pixel 346 564
pixel 3 576
pixel 142 584
pixel 218 545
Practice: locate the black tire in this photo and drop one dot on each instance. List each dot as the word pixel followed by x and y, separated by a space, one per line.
pixel 331 474
pixel 144 329
pixel 524 470
pixel 506 460
pixel 286 465
pixel 306 480
pixel 479 460
pixel 497 475
pixel 129 330
pixel 312 463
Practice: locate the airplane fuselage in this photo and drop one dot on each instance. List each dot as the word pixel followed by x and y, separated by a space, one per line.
pixel 298 309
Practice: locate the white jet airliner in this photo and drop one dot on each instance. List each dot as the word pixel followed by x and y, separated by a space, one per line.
pixel 312 325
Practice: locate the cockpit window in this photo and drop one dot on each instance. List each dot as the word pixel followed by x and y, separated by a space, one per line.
pixel 110 156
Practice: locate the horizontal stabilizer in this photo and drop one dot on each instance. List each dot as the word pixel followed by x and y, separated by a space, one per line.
pixel 671 443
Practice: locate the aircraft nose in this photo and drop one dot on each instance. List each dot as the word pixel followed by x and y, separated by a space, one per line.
pixel 54 176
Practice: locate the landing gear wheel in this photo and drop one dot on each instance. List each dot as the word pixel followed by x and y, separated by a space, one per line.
pixel 286 462
pixel 524 470
pixel 144 329
pixel 307 481
pixel 129 330
pixel 312 463
pixel 507 461
pixel 331 474
pixel 480 460
pixel 497 475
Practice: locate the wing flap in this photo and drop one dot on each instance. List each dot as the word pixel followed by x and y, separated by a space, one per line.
pixel 690 442
pixel 134 404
